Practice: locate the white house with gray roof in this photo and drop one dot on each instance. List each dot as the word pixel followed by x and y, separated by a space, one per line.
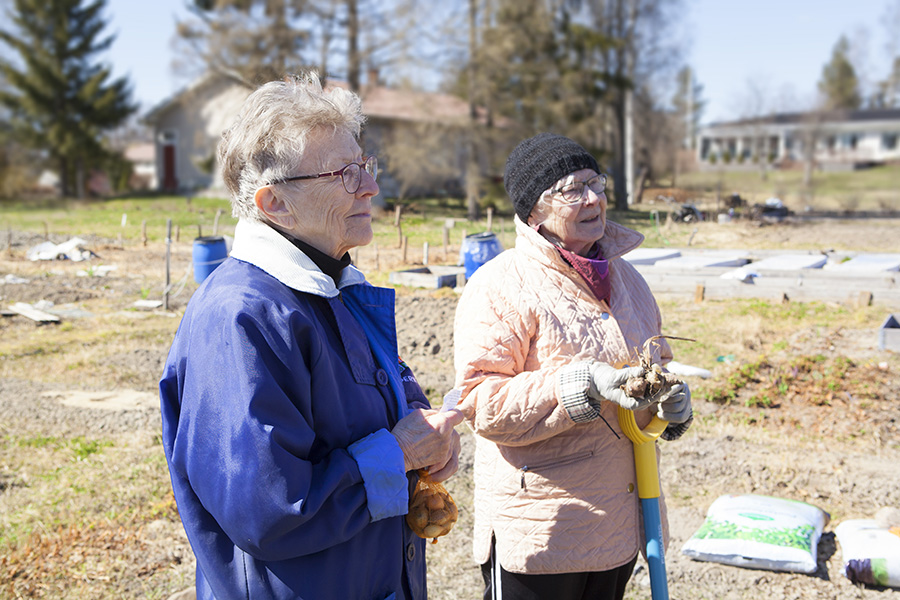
pixel 843 139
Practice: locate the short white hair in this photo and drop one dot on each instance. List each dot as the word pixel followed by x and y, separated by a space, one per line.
pixel 269 136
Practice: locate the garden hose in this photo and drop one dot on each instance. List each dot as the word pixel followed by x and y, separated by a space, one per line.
pixel 644 441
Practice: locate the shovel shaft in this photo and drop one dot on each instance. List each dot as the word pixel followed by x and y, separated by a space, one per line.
pixel 644 442
pixel 656 556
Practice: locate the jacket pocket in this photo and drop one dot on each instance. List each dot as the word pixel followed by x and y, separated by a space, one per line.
pixel 545 466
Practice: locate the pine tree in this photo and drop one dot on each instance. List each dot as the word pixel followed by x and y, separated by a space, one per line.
pixel 839 84
pixel 61 100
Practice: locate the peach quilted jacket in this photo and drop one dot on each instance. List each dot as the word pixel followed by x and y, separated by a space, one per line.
pixel 559 496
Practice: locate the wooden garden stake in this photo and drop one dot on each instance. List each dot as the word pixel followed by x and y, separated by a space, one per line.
pixel 168 259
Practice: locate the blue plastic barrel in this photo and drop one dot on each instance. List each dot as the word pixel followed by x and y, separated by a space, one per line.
pixel 209 252
pixel 479 248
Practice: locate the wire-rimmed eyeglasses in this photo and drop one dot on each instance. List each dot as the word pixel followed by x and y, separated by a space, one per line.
pixel 573 192
pixel 351 174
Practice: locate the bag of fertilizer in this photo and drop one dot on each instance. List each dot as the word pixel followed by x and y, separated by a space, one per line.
pixel 871 553
pixel 759 532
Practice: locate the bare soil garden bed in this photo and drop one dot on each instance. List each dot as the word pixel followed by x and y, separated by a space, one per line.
pixel 84 497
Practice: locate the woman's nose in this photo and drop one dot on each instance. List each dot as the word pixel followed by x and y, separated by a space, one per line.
pixel 592 197
pixel 367 185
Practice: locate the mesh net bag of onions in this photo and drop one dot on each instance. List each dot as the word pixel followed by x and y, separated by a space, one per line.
pixel 432 511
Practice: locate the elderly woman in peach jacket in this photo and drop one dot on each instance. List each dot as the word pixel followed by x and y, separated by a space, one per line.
pixel 544 336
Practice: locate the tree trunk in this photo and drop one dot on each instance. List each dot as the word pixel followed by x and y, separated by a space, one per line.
pixel 620 189
pixel 471 145
pixel 640 182
pixel 64 184
pixel 353 59
pixel 79 179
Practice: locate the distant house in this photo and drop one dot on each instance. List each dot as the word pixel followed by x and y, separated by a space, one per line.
pixel 837 139
pixel 143 160
pixel 188 126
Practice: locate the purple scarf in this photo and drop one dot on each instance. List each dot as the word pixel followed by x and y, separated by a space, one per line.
pixel 593 268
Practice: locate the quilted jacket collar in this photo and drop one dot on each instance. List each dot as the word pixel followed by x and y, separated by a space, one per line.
pixel 617 240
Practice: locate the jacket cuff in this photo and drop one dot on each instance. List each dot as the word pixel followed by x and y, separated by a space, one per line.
pixel 383 470
pixel 573 382
pixel 673 431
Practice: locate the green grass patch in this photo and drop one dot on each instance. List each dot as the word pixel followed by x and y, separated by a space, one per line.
pixel 104 218
pixel 867 189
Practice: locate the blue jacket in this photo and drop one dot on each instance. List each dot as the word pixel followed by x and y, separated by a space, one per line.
pixel 277 397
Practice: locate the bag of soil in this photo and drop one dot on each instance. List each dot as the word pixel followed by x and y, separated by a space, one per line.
pixel 759 532
pixel 870 552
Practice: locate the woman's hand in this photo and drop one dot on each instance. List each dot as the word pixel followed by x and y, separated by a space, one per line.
pixel 428 440
pixel 675 405
pixel 606 384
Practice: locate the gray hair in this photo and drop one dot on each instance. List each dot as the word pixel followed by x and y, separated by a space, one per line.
pixel 269 135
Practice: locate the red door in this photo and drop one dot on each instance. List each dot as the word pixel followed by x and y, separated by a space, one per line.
pixel 170 182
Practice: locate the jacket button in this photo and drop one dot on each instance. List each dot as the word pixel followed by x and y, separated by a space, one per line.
pixel 604 316
pixel 381 376
pixel 410 551
pixel 630 487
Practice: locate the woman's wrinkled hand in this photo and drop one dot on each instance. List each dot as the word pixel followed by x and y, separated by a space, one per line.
pixel 428 440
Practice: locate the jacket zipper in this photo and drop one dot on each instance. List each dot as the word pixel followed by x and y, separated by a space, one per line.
pixel 565 461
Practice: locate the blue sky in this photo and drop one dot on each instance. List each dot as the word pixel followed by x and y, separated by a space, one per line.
pixel 778 47
pixel 758 56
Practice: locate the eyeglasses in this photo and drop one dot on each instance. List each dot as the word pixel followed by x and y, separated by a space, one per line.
pixel 573 192
pixel 351 174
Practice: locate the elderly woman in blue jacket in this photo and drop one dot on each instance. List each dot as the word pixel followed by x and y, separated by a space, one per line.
pixel 290 426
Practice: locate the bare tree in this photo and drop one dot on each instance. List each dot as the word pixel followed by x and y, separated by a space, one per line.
pixel 681 128
pixel 646 48
pixel 417 156
pixel 252 41
pixel 888 90
pixel 758 111
pixel 248 41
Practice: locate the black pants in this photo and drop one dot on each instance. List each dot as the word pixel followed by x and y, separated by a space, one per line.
pixel 500 584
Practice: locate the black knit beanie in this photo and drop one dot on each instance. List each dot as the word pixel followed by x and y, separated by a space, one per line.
pixel 539 162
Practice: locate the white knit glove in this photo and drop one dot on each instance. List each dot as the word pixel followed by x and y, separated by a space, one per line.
pixel 675 406
pixel 607 382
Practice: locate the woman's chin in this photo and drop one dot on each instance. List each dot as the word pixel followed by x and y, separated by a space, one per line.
pixel 593 229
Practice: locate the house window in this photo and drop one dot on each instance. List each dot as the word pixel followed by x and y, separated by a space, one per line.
pixel 851 141
pixel 168 136
pixel 889 141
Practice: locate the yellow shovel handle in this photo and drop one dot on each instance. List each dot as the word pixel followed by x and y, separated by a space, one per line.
pixel 644 451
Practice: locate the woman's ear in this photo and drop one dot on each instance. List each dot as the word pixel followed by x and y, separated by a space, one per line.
pixel 274 207
pixel 537 216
